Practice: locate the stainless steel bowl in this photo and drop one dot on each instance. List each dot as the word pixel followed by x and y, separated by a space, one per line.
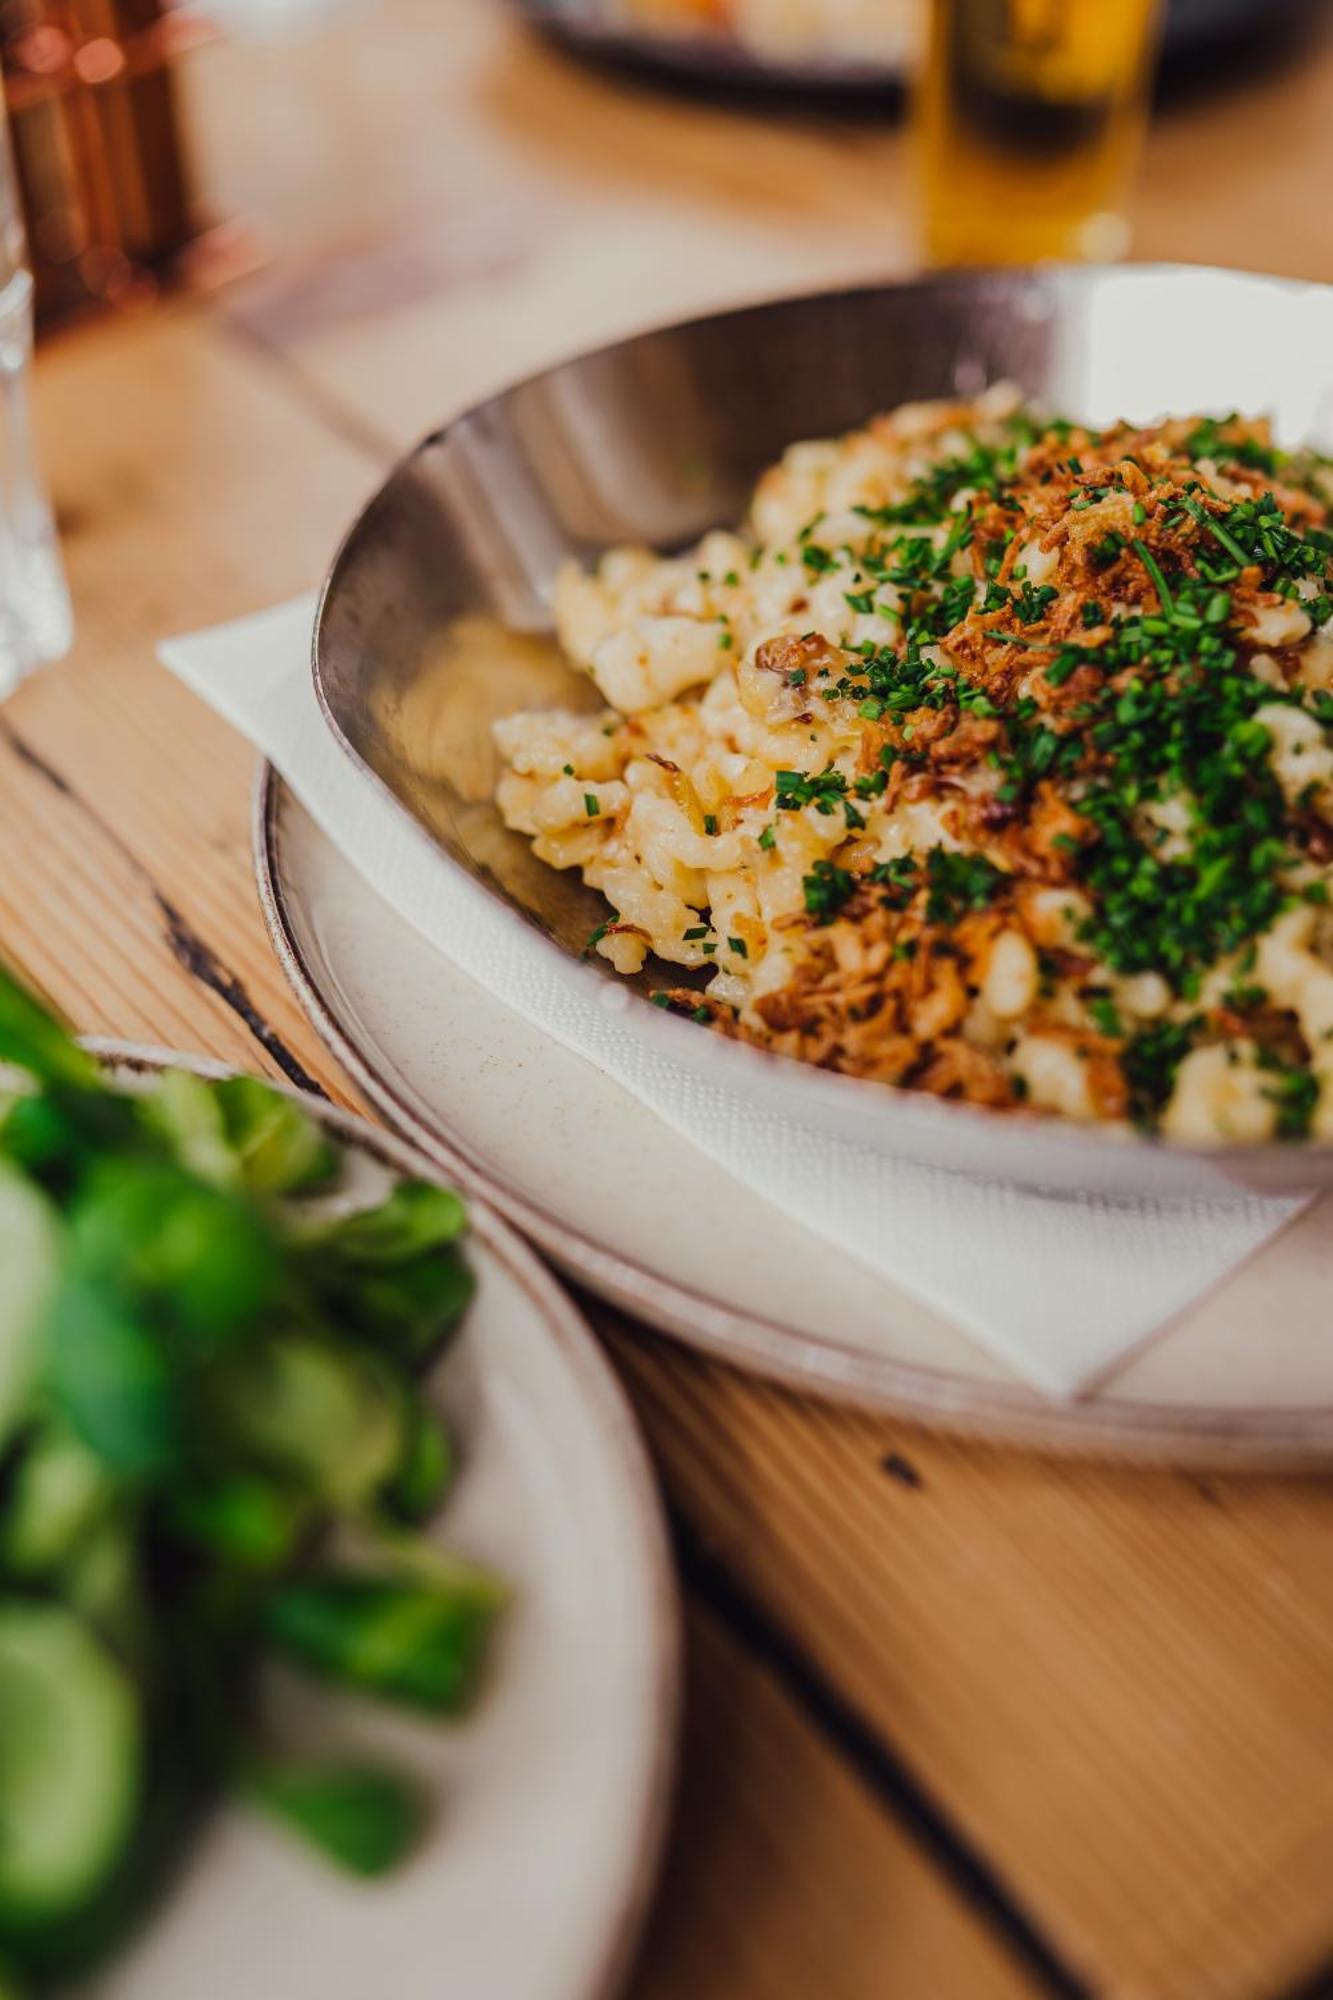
pixel 435 618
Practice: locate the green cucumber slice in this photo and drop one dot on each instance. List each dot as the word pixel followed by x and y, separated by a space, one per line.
pixel 29 1262
pixel 70 1764
pixel 56 1494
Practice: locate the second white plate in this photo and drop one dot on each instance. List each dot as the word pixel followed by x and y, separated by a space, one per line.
pixel 552 1796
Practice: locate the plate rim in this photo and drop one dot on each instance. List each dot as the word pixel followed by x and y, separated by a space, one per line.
pixel 1280 1437
pixel 608 1401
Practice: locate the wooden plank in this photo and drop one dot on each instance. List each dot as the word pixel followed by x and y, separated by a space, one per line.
pixel 540 206
pixel 1119 1683
pixel 796 1884
pixel 189 490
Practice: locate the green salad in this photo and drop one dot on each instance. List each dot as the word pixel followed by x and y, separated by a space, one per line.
pixel 214 1450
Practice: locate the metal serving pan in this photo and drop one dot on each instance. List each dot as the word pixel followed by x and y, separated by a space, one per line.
pixel 435 618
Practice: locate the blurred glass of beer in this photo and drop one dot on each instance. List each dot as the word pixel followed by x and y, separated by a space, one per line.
pixel 1031 116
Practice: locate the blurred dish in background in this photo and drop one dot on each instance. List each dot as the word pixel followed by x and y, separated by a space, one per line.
pixel 837 44
pixel 827 44
pixel 842 36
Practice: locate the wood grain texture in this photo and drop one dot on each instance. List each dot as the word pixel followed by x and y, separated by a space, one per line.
pixel 187 487
pixel 1119 1684
pixel 956 1699
pixel 765 1806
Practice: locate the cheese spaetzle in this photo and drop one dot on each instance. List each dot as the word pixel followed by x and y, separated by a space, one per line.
pixel 992 758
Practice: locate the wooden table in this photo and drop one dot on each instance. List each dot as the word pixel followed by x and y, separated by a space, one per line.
pixel 961 1723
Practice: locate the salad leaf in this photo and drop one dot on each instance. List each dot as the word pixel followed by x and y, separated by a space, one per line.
pixel 238 1133
pixel 30 1251
pixel 33 1040
pixel 425 1467
pixel 198 1262
pixel 205 1376
pixel 242 1518
pixel 415 1219
pixel 327 1416
pixel 57 1490
pixel 110 1380
pixel 184 1112
pixel 102 1581
pixel 365 1819
pixel 409 1640
pixel 278 1147
pixel 407 1311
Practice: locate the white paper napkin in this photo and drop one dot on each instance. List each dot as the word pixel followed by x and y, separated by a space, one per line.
pixel 1060 1289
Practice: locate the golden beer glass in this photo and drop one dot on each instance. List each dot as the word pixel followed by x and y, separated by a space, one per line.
pixel 1031 114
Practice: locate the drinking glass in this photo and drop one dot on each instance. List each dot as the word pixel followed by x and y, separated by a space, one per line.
pixel 35 620
pixel 1031 115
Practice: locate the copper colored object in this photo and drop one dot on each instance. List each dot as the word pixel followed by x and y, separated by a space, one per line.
pixel 97 144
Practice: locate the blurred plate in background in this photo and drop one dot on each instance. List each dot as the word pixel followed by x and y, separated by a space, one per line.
pixel 827 44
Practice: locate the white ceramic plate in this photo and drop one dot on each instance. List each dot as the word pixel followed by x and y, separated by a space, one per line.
pixel 612 1195
pixel 553 1794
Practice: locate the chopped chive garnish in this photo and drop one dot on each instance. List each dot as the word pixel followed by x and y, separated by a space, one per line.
pixel 1168 714
pixel 1149 561
pixel 1219 533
